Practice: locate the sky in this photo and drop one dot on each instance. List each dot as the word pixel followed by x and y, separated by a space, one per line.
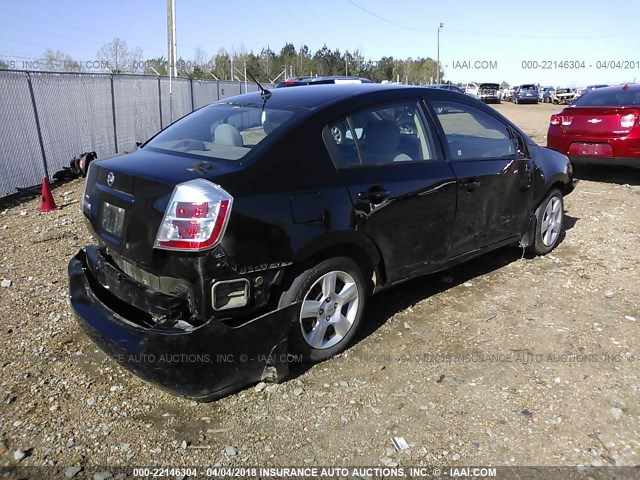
pixel 571 43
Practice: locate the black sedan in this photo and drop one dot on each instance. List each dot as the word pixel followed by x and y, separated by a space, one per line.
pixel 252 231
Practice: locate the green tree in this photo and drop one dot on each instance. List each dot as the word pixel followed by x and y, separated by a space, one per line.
pixel 322 59
pixel 267 59
pixel 156 66
pixel 287 58
pixel 222 65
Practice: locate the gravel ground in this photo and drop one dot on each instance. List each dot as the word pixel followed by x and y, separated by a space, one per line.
pixel 507 360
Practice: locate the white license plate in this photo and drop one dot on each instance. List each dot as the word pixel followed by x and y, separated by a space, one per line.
pixel 112 219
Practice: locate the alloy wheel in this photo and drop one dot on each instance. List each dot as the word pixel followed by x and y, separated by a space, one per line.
pixel 551 221
pixel 329 309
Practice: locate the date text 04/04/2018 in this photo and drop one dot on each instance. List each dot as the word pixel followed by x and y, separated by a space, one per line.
pixel 580 64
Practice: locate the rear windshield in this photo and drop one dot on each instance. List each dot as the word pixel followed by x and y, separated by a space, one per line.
pixel 528 87
pixel 609 97
pixel 224 131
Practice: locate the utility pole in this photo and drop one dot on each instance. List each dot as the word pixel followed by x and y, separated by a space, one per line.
pixel 438 66
pixel 172 45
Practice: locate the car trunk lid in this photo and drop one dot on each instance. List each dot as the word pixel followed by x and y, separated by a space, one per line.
pixel 126 197
pixel 599 122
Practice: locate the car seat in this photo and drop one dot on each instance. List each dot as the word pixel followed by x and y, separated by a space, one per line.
pixel 227 134
pixel 383 139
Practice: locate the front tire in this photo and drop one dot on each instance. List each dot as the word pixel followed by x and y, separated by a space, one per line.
pixel 333 295
pixel 550 215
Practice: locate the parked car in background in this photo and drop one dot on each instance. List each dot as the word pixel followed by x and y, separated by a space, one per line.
pixel 512 92
pixel 602 126
pixel 547 93
pixel 472 89
pixel 526 93
pixel 445 86
pixel 259 225
pixel 563 96
pixel 489 92
pixel 505 94
pixel 297 81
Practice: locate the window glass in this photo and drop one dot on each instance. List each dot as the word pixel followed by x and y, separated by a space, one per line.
pixel 383 135
pixel 223 130
pixel 472 133
pixel 609 97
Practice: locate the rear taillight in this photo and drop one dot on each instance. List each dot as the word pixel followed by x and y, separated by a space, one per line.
pixel 557 119
pixel 629 120
pixel 196 217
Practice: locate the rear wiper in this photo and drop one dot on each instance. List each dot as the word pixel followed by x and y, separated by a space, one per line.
pixel 264 93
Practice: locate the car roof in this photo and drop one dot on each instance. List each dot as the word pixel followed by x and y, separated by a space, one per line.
pixel 331 79
pixel 306 96
pixel 625 86
pixel 325 77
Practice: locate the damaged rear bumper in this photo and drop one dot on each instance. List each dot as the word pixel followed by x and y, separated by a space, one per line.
pixel 203 363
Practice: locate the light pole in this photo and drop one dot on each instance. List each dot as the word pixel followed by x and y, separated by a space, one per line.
pixel 438 65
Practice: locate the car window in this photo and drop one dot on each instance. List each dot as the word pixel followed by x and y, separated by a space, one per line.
pixel 384 135
pixel 609 97
pixel 472 133
pixel 224 131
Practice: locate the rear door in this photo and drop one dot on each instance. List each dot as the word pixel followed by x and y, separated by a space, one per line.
pixel 493 172
pixel 403 191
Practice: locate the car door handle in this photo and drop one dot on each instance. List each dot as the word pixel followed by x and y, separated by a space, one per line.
pixel 374 195
pixel 472 185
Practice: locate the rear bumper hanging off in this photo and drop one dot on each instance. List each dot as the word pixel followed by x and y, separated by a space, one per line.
pixel 203 363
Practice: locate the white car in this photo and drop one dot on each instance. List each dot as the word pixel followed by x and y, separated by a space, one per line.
pixel 472 89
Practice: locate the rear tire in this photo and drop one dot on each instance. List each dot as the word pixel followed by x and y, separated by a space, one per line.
pixel 333 295
pixel 550 215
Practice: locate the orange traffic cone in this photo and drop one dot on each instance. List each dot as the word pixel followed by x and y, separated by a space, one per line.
pixel 48 203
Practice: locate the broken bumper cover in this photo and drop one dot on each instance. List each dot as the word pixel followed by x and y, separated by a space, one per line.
pixel 203 363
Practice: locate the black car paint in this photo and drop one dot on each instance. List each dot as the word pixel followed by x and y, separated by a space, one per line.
pixel 292 205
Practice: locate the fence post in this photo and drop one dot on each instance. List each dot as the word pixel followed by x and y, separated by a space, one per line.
pixel 38 128
pixel 193 105
pixel 113 108
pixel 160 103
pixel 218 90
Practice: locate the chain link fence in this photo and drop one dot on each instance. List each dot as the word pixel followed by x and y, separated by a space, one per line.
pixel 48 118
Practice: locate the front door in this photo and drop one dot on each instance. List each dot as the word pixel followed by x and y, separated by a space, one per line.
pixel 493 172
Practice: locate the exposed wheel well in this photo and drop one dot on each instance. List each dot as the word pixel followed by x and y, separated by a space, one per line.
pixel 356 253
pixel 563 187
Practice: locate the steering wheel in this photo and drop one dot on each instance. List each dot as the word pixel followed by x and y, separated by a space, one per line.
pixel 337 134
pixel 406 125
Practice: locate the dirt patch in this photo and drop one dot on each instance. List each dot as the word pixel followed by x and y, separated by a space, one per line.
pixel 507 360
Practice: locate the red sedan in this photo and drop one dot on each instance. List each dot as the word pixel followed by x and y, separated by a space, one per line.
pixel 602 126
